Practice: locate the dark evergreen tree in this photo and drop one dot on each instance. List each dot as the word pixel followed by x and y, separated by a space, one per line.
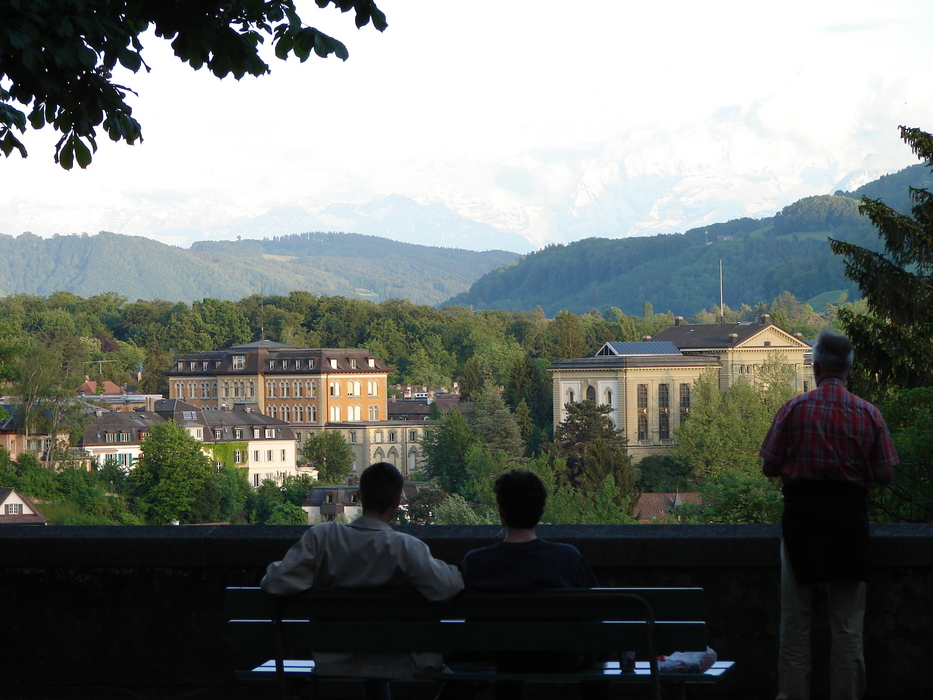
pixel 892 341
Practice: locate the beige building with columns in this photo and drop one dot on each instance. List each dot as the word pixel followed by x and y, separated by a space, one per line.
pixel 649 384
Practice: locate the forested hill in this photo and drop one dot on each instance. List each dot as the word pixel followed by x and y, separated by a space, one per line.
pixel 333 264
pixel 680 272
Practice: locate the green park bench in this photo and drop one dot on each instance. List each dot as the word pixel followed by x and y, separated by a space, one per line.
pixel 273 637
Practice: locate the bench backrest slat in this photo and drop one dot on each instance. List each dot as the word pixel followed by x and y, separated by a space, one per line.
pixel 301 638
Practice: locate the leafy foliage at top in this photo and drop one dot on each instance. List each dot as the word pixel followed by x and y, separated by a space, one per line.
pixel 892 338
pixel 57 57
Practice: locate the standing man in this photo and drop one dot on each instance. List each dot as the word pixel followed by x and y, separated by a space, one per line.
pixel 367 553
pixel 827 446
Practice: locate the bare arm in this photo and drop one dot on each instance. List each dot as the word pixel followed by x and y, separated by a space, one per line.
pixel 882 475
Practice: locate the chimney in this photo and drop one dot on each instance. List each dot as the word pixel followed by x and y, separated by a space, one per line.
pixel 765 318
pixel 678 320
pixel 733 337
pixel 645 338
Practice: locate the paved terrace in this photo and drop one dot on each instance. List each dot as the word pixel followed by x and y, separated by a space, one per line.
pixel 137 612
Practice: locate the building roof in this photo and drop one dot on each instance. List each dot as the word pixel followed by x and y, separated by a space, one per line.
pixel 658 506
pixel 639 348
pixel 267 357
pixel 89 388
pixel 716 336
pixel 184 414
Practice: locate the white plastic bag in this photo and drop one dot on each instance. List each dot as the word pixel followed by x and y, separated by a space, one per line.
pixel 687 661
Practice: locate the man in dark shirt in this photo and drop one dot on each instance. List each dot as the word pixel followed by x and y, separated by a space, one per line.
pixel 523 562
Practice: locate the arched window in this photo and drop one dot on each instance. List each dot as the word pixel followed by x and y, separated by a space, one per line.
pixel 590 393
pixel 312 413
pixel 570 396
pixel 271 411
pixel 299 414
pixel 684 402
pixel 642 394
pixel 608 397
pixel 285 413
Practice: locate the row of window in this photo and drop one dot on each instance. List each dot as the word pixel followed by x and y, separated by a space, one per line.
pixel 354 388
pixel 664 406
pixel 354 413
pixel 293 414
pixel 379 436
pixel 239 362
pixel 13 508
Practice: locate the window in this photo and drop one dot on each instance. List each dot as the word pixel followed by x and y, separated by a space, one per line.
pixel 664 426
pixel 283 455
pixel 684 402
pixel 237 433
pixel 310 364
pixel 187 415
pixel 570 396
pixel 270 390
pixel 374 413
pixel 352 436
pixel 352 363
pixel 110 437
pixel 333 364
pixel 334 388
pixel 255 455
pixel 216 433
pixel 271 364
pixel 392 436
pixel 285 415
pixel 270 433
pixel 124 437
pixel 268 455
pixel 642 394
pixel 767 343
pixel 412 435
pixel 312 412
pixel 312 389
pixel 334 413
pixel 272 412
pixel 590 393
pixel 608 397
pixel 256 433
pixel 204 365
pixel 238 456
pixel 252 388
pixel 194 366
pixel 296 389
pixel 239 361
pixel 372 362
pixel 299 414
pixel 283 386
pixel 372 388
pixel 642 427
pixel 256 480
pixel 284 364
pixel 664 396
pixel 378 437
pixel 13 508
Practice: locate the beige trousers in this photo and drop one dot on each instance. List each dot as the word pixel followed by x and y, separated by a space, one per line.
pixel 846 603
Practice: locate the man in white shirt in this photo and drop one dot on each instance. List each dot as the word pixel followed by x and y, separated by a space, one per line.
pixel 367 553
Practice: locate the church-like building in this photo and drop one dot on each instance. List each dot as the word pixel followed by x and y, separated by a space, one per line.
pixel 649 384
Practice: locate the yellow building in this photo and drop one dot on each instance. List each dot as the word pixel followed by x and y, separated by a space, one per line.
pixel 302 386
pixel 649 384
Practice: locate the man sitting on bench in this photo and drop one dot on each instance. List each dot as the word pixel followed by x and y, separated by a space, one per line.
pixel 523 562
pixel 367 553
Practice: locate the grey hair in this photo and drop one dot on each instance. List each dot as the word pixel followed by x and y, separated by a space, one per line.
pixel 833 352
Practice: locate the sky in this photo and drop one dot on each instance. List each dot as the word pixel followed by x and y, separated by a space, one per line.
pixel 516 113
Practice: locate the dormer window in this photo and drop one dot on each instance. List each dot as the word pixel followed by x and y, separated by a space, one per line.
pixel 239 361
pixel 204 365
pixel 271 364
pixel 333 364
pixel 352 363
pixel 194 366
pixel 310 364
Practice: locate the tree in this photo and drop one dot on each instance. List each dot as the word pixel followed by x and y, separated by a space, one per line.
pixel 170 474
pixel 445 448
pixel 330 454
pixel 892 340
pixel 720 443
pixel 593 450
pixel 57 57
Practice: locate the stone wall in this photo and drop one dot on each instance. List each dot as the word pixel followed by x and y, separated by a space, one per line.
pixel 138 611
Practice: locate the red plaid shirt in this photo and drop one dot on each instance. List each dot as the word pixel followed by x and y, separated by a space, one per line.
pixel 829 434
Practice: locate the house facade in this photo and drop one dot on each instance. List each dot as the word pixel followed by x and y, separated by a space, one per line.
pixel 649 384
pixel 17 509
pixel 263 446
pixel 312 390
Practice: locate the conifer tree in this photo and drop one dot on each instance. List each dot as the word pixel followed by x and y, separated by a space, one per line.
pixel 892 341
